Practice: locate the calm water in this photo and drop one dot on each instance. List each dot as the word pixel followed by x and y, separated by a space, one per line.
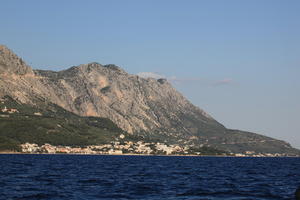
pixel 147 177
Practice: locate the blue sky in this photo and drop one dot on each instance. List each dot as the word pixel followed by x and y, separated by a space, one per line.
pixel 238 60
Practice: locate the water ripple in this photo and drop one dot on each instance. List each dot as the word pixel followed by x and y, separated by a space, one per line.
pixel 150 178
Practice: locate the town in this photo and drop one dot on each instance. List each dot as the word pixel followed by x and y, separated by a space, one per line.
pixel 123 147
pixel 114 148
pixel 131 148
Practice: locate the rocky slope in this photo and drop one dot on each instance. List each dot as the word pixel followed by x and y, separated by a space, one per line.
pixel 148 107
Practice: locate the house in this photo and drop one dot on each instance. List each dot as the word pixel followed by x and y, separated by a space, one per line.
pixel 4 109
pixel 12 110
pixel 9 110
pixel 115 152
pixel 38 114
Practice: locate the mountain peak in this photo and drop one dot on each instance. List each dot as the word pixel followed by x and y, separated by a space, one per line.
pixel 94 66
pixel 114 67
pixel 3 47
pixel 11 63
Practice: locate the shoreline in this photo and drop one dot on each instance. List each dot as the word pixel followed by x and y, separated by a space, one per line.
pixel 158 155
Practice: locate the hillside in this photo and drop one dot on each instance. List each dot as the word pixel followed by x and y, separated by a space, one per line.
pixel 48 123
pixel 146 108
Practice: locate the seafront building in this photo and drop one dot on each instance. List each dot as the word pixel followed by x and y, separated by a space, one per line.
pixel 128 147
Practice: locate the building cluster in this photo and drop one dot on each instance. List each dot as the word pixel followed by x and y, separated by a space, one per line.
pixel 114 148
pixel 128 148
pixel 9 110
pixel 253 154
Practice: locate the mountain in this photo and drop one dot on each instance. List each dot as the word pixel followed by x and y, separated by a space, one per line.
pixel 147 108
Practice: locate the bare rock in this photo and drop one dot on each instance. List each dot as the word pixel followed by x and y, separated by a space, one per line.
pixel 11 63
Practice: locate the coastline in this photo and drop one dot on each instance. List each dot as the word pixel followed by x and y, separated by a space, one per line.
pixel 125 154
pixel 158 155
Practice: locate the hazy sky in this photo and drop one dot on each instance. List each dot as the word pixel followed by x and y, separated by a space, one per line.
pixel 238 60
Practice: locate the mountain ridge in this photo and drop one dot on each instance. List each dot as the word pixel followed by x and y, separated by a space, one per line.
pixel 145 107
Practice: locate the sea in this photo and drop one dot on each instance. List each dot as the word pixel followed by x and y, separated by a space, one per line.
pixel 86 177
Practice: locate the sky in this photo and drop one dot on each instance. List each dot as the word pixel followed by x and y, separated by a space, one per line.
pixel 237 60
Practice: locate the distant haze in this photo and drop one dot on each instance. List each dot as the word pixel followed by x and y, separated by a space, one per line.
pixel 237 60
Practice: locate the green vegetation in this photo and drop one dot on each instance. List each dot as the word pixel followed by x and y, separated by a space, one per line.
pixel 9 144
pixel 49 123
pixel 205 150
pixel 105 89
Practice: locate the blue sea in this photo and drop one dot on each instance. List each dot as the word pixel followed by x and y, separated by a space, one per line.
pixel 85 177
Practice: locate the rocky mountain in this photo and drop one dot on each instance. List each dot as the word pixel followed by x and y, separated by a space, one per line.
pixel 10 63
pixel 146 107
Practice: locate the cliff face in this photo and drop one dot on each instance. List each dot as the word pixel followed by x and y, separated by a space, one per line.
pixel 17 79
pixel 10 63
pixel 148 107
pixel 134 103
